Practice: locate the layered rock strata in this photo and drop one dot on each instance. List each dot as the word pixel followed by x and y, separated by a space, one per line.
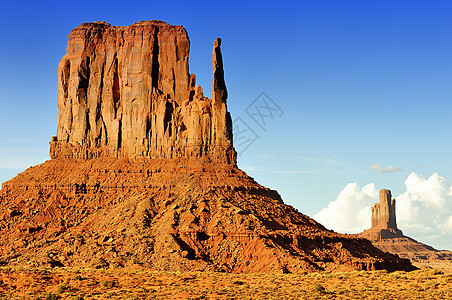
pixel 166 214
pixel 143 173
pixel 127 92
pixel 385 235
pixel 383 218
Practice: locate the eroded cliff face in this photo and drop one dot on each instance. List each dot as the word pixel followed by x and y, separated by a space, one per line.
pixel 383 213
pixel 127 92
pixel 143 173
pixel 386 236
pixel 166 214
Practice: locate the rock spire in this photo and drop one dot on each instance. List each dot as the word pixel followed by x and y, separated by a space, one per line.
pixel 127 92
pixel 143 174
pixel 383 213
pixel 385 235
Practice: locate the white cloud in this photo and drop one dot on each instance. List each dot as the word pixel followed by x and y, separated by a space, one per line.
pixel 424 210
pixel 449 223
pixel 350 212
pixel 326 162
pixel 382 169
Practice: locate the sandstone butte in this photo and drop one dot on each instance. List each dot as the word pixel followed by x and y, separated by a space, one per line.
pixel 143 173
pixel 385 235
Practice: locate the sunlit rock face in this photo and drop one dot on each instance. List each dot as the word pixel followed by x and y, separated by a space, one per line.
pixel 127 92
pixel 385 235
pixel 383 213
pixel 143 174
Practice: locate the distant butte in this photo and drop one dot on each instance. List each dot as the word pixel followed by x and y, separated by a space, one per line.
pixel 143 173
pixel 385 235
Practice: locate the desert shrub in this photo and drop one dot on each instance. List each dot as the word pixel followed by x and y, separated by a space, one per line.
pixel 61 288
pixel 431 283
pixel 342 275
pixel 108 284
pixel 52 296
pixel 319 288
pixel 78 277
pixel 435 272
pixel 76 298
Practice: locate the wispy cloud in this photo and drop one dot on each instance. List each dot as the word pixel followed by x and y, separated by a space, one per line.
pixel 322 161
pixel 295 172
pixel 250 168
pixel 266 156
pixel 276 170
pixel 383 169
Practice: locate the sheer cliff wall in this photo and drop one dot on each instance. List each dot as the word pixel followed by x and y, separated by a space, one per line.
pixel 127 92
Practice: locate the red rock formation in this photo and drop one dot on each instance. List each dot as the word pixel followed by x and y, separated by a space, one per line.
pixel 385 235
pixel 143 173
pixel 384 217
pixel 127 92
pixel 167 214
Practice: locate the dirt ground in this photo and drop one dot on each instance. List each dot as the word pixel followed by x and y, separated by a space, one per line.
pixel 70 283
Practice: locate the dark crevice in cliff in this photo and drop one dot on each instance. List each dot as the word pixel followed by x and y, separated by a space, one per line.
pixel 88 126
pixel 101 89
pixel 155 59
pixel 119 134
pixel 174 82
pixel 148 126
pixel 168 116
pixel 98 117
pixel 84 74
pixel 65 77
pixel 116 88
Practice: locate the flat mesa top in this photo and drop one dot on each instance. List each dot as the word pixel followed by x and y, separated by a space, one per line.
pixel 103 24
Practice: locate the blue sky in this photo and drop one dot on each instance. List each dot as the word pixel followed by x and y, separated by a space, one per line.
pixel 360 83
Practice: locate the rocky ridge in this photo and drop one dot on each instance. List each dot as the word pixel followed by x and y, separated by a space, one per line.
pixel 143 173
pixel 385 235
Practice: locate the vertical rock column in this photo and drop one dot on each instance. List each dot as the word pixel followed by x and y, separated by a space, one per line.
pixel 222 122
pixel 383 213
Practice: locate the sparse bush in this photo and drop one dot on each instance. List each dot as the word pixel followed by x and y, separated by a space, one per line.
pixel 76 298
pixel 78 277
pixel 432 283
pixel 52 296
pixel 319 288
pixel 108 284
pixel 435 272
pixel 61 288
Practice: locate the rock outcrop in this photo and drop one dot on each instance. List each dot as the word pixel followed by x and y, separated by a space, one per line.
pixel 143 173
pixel 166 214
pixel 384 223
pixel 385 235
pixel 127 92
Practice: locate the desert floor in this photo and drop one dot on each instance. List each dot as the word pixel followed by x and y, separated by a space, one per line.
pixel 70 283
